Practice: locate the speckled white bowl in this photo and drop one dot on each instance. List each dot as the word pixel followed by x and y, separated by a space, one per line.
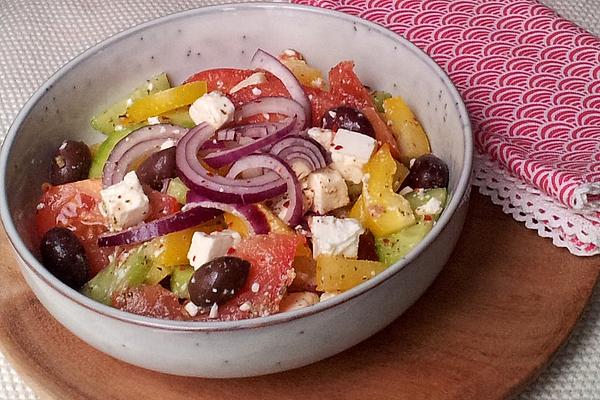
pixel 228 35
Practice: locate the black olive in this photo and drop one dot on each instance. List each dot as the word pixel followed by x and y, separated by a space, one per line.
pixel 366 247
pixel 64 256
pixel 158 167
pixel 218 280
pixel 349 118
pixel 70 163
pixel 427 172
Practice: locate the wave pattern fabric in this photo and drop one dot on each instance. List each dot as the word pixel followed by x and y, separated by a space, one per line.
pixel 530 79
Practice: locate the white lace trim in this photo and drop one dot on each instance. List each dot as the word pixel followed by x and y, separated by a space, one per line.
pixel 576 231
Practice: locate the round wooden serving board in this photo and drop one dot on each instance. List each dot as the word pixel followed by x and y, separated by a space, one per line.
pixel 493 319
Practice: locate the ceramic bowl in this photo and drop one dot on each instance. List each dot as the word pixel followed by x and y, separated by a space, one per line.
pixel 181 44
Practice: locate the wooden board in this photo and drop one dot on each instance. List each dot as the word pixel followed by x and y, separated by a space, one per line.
pixel 493 319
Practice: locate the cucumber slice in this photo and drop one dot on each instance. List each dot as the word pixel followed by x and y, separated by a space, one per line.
pixel 116 278
pixel 105 148
pixel 107 122
pixel 179 280
pixel 378 98
pixel 179 116
pixel 420 197
pixel 391 248
pixel 157 273
pixel 177 189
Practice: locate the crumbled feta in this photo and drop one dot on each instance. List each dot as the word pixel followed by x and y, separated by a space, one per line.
pixel 153 121
pixel 124 203
pixel 323 136
pixel 297 300
pixel 290 53
pixel 246 306
pixel 411 162
pixel 205 248
pixel 328 295
pixel 256 91
pixel 214 311
pixel 167 144
pixel 317 83
pixel 405 190
pixel 335 236
pixel 254 79
pixel 432 207
pixel 350 151
pixel 255 287
pixel 191 309
pixel 326 190
pixel 213 108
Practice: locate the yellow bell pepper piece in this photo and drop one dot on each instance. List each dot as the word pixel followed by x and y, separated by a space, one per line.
pixel 412 140
pixel 336 273
pixel 237 224
pixel 240 226
pixel 306 75
pixel 164 101
pixel 379 208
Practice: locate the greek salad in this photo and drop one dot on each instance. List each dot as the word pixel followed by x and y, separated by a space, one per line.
pixel 240 193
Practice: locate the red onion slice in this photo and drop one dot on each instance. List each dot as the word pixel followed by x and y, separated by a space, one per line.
pixel 147 231
pixel 143 135
pixel 143 149
pixel 253 131
pixel 286 173
pixel 251 214
pixel 222 158
pixel 267 62
pixel 289 146
pixel 215 187
pixel 273 105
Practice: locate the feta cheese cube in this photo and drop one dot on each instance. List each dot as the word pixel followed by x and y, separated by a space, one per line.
pixel 350 151
pixel 323 136
pixel 254 79
pixel 335 236
pixel 213 108
pixel 124 204
pixel 205 248
pixel 327 190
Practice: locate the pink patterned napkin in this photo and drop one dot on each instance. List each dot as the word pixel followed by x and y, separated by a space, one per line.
pixel 530 80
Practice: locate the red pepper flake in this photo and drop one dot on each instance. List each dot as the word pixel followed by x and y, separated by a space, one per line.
pixel 338 147
pixel 230 251
pixel 427 218
pixel 286 204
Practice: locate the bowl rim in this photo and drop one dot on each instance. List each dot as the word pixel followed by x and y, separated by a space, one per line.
pixel 30 262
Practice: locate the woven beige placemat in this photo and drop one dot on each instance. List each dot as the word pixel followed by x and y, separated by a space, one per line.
pixel 38 36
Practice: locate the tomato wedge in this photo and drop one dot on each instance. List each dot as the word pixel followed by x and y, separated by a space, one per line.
pixel 271 272
pixel 75 206
pixel 224 79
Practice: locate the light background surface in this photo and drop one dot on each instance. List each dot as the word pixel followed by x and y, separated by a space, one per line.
pixel 38 36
